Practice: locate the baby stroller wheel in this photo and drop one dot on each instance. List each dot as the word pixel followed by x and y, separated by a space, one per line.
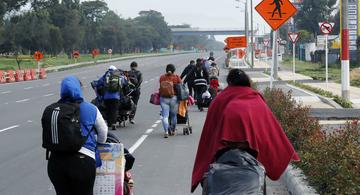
pixel 184 131
pixel 190 130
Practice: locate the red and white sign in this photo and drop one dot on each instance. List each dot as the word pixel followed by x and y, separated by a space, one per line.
pixel 266 42
pixel 110 51
pixel 326 27
pixel 294 37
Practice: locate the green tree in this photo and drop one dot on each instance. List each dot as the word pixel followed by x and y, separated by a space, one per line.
pixel 312 12
pixel 155 20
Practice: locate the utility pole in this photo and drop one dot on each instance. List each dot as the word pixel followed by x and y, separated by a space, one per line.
pixel 252 35
pixel 246 23
pixel 345 56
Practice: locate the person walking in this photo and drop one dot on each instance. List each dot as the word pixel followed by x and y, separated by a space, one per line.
pixel 73 173
pixel 240 124
pixel 112 81
pixel 135 78
pixel 168 100
pixel 187 70
pixel 200 76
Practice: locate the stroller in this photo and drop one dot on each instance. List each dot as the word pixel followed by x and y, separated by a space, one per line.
pixel 201 87
pixel 126 105
pixel 183 117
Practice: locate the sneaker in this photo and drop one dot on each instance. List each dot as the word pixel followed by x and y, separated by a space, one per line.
pixel 132 121
pixel 166 135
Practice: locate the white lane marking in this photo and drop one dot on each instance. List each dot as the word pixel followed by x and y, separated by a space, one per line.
pixel 29 121
pixel 152 79
pixel 158 121
pixel 6 103
pixel 24 100
pixel 154 125
pixel 146 82
pixel 50 94
pixel 45 85
pixel 149 131
pixel 12 127
pixel 137 143
pixel 5 92
pixel 26 88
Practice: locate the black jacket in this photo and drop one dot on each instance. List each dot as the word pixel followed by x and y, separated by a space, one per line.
pixel 186 71
pixel 197 73
pixel 138 75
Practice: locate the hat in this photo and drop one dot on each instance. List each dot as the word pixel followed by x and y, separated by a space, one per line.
pixel 112 67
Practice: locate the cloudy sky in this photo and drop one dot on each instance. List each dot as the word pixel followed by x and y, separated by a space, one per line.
pixel 197 13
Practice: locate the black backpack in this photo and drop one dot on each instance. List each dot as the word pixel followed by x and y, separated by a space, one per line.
pixel 61 128
pixel 112 81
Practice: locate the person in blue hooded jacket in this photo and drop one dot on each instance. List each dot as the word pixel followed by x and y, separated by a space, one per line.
pixel 111 99
pixel 74 173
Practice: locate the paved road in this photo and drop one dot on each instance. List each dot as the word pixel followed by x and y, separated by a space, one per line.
pixel 163 166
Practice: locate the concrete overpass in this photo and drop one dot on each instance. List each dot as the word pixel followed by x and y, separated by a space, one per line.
pixel 203 31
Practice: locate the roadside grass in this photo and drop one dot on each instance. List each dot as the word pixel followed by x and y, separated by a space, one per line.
pixel 341 101
pixel 314 70
pixel 9 63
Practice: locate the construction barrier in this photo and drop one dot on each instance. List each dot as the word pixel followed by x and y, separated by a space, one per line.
pixel 2 77
pixel 33 74
pixel 27 75
pixel 19 75
pixel 10 76
pixel 42 74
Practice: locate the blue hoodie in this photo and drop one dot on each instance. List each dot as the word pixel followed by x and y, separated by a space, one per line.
pixel 89 114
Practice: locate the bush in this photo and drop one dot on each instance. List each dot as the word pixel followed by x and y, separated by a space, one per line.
pixel 293 117
pixel 330 161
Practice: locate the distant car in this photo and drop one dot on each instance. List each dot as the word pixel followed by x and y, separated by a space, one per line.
pixel 236 63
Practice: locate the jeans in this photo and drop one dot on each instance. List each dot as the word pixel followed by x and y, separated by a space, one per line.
pixel 169 108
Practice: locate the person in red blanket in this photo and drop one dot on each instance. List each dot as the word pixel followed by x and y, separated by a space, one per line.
pixel 240 119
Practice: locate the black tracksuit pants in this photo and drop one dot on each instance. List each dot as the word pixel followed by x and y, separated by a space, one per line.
pixel 112 111
pixel 72 174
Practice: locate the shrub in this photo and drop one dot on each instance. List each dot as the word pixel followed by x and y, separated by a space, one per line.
pixel 293 117
pixel 330 161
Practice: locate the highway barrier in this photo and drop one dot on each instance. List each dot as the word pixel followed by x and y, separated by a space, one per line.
pixel 19 75
pixel 10 76
pixel 33 74
pixel 2 77
pixel 42 74
pixel 27 75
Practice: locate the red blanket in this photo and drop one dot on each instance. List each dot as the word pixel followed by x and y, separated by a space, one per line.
pixel 240 114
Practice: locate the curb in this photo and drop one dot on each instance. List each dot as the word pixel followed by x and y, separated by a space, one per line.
pixel 91 63
pixel 323 99
pixel 296 183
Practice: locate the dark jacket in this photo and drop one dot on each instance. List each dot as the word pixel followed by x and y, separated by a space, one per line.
pixel 139 77
pixel 199 72
pixel 186 71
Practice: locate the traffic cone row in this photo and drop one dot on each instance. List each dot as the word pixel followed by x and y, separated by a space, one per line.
pixel 11 76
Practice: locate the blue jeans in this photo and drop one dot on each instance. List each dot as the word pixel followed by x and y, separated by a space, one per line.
pixel 169 108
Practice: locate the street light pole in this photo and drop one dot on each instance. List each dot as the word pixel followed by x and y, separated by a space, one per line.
pixel 252 35
pixel 345 56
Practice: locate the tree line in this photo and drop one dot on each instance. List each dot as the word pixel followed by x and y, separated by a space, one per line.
pixel 54 26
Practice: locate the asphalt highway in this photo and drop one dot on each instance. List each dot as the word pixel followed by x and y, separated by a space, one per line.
pixel 162 167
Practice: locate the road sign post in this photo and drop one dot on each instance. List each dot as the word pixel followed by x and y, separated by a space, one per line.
pixel 38 56
pixel 275 13
pixel 326 28
pixel 294 37
pixel 266 45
